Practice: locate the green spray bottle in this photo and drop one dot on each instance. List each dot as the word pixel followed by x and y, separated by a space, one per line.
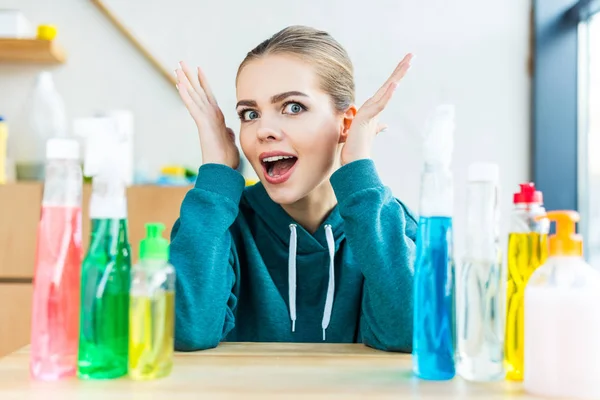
pixel 106 269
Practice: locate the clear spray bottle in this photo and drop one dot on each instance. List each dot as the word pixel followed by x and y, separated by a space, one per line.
pixel 434 310
pixel 55 308
pixel 480 314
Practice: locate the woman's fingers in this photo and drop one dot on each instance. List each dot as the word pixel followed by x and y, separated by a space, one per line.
pixel 184 83
pixel 204 83
pixel 189 103
pixel 196 93
pixel 377 106
pixel 191 77
pixel 396 76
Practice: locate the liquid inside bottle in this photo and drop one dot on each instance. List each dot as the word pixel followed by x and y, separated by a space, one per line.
pixel 481 322
pixel 526 252
pixel 55 314
pixel 434 313
pixel 105 282
pixel 151 337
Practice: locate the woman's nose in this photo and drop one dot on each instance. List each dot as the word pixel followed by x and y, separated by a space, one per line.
pixel 267 133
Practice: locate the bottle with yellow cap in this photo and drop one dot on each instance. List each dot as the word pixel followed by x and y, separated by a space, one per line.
pixel 562 322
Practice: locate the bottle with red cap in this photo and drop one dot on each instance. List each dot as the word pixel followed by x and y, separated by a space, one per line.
pixel 527 250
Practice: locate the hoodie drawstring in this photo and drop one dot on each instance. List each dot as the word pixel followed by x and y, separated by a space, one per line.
pixel 292 277
pixel 331 284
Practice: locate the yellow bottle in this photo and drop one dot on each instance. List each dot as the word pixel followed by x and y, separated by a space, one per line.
pixel 3 150
pixel 527 250
pixel 152 309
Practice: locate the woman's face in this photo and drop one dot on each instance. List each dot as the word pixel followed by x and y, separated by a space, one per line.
pixel 290 131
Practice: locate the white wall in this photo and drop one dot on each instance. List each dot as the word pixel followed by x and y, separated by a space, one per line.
pixel 472 53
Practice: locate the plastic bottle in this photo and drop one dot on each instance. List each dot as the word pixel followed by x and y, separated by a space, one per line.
pixel 55 310
pixel 152 309
pixel 480 312
pixel 434 339
pixel 527 250
pixel 562 323
pixel 3 150
pixel 105 273
pixel 47 118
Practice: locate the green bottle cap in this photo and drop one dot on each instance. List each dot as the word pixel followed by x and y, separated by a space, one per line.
pixel 154 246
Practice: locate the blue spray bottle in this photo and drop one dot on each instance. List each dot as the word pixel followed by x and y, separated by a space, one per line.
pixel 434 335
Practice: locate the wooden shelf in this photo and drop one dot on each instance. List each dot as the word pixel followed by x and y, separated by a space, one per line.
pixel 20 205
pixel 31 50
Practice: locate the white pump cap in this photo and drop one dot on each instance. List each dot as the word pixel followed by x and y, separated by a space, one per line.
pixel 62 149
pixel 483 172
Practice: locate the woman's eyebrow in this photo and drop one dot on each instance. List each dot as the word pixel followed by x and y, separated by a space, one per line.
pixel 282 96
pixel 247 103
pixel 274 99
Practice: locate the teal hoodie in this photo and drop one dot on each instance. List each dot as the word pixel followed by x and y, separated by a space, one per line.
pixel 247 272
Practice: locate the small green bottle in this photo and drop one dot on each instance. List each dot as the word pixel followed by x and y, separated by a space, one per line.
pixel 105 273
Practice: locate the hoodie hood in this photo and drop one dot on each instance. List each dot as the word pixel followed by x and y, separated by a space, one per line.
pixel 299 242
pixel 275 217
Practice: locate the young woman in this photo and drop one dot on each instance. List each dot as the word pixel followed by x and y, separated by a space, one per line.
pixel 319 250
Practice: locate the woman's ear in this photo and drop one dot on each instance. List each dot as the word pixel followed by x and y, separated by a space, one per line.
pixel 348 117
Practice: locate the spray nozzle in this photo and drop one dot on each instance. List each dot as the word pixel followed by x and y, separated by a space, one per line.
pixel 103 163
pixel 566 242
pixel 154 246
pixel 439 136
pixel 101 140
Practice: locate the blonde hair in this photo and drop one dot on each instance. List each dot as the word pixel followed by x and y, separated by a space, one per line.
pixel 332 63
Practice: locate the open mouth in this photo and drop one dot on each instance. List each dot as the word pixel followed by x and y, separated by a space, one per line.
pixel 278 168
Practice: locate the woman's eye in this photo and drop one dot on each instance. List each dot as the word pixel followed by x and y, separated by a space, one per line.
pixel 293 108
pixel 250 115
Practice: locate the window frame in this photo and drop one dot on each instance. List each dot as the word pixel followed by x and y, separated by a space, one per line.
pixel 559 121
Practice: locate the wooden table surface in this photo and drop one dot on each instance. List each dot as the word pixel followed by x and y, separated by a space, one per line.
pixel 262 370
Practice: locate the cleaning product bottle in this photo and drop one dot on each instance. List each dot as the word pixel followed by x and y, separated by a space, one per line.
pixel 562 322
pixel 106 269
pixel 47 119
pixel 152 309
pixel 3 149
pixel 55 310
pixel 480 313
pixel 527 250
pixel 434 311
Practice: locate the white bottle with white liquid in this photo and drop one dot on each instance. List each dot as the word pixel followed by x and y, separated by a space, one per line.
pixel 562 322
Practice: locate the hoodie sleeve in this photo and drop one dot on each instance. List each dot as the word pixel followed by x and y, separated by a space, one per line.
pixel 205 259
pixel 381 235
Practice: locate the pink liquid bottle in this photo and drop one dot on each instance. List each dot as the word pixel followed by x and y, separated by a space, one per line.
pixel 55 313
